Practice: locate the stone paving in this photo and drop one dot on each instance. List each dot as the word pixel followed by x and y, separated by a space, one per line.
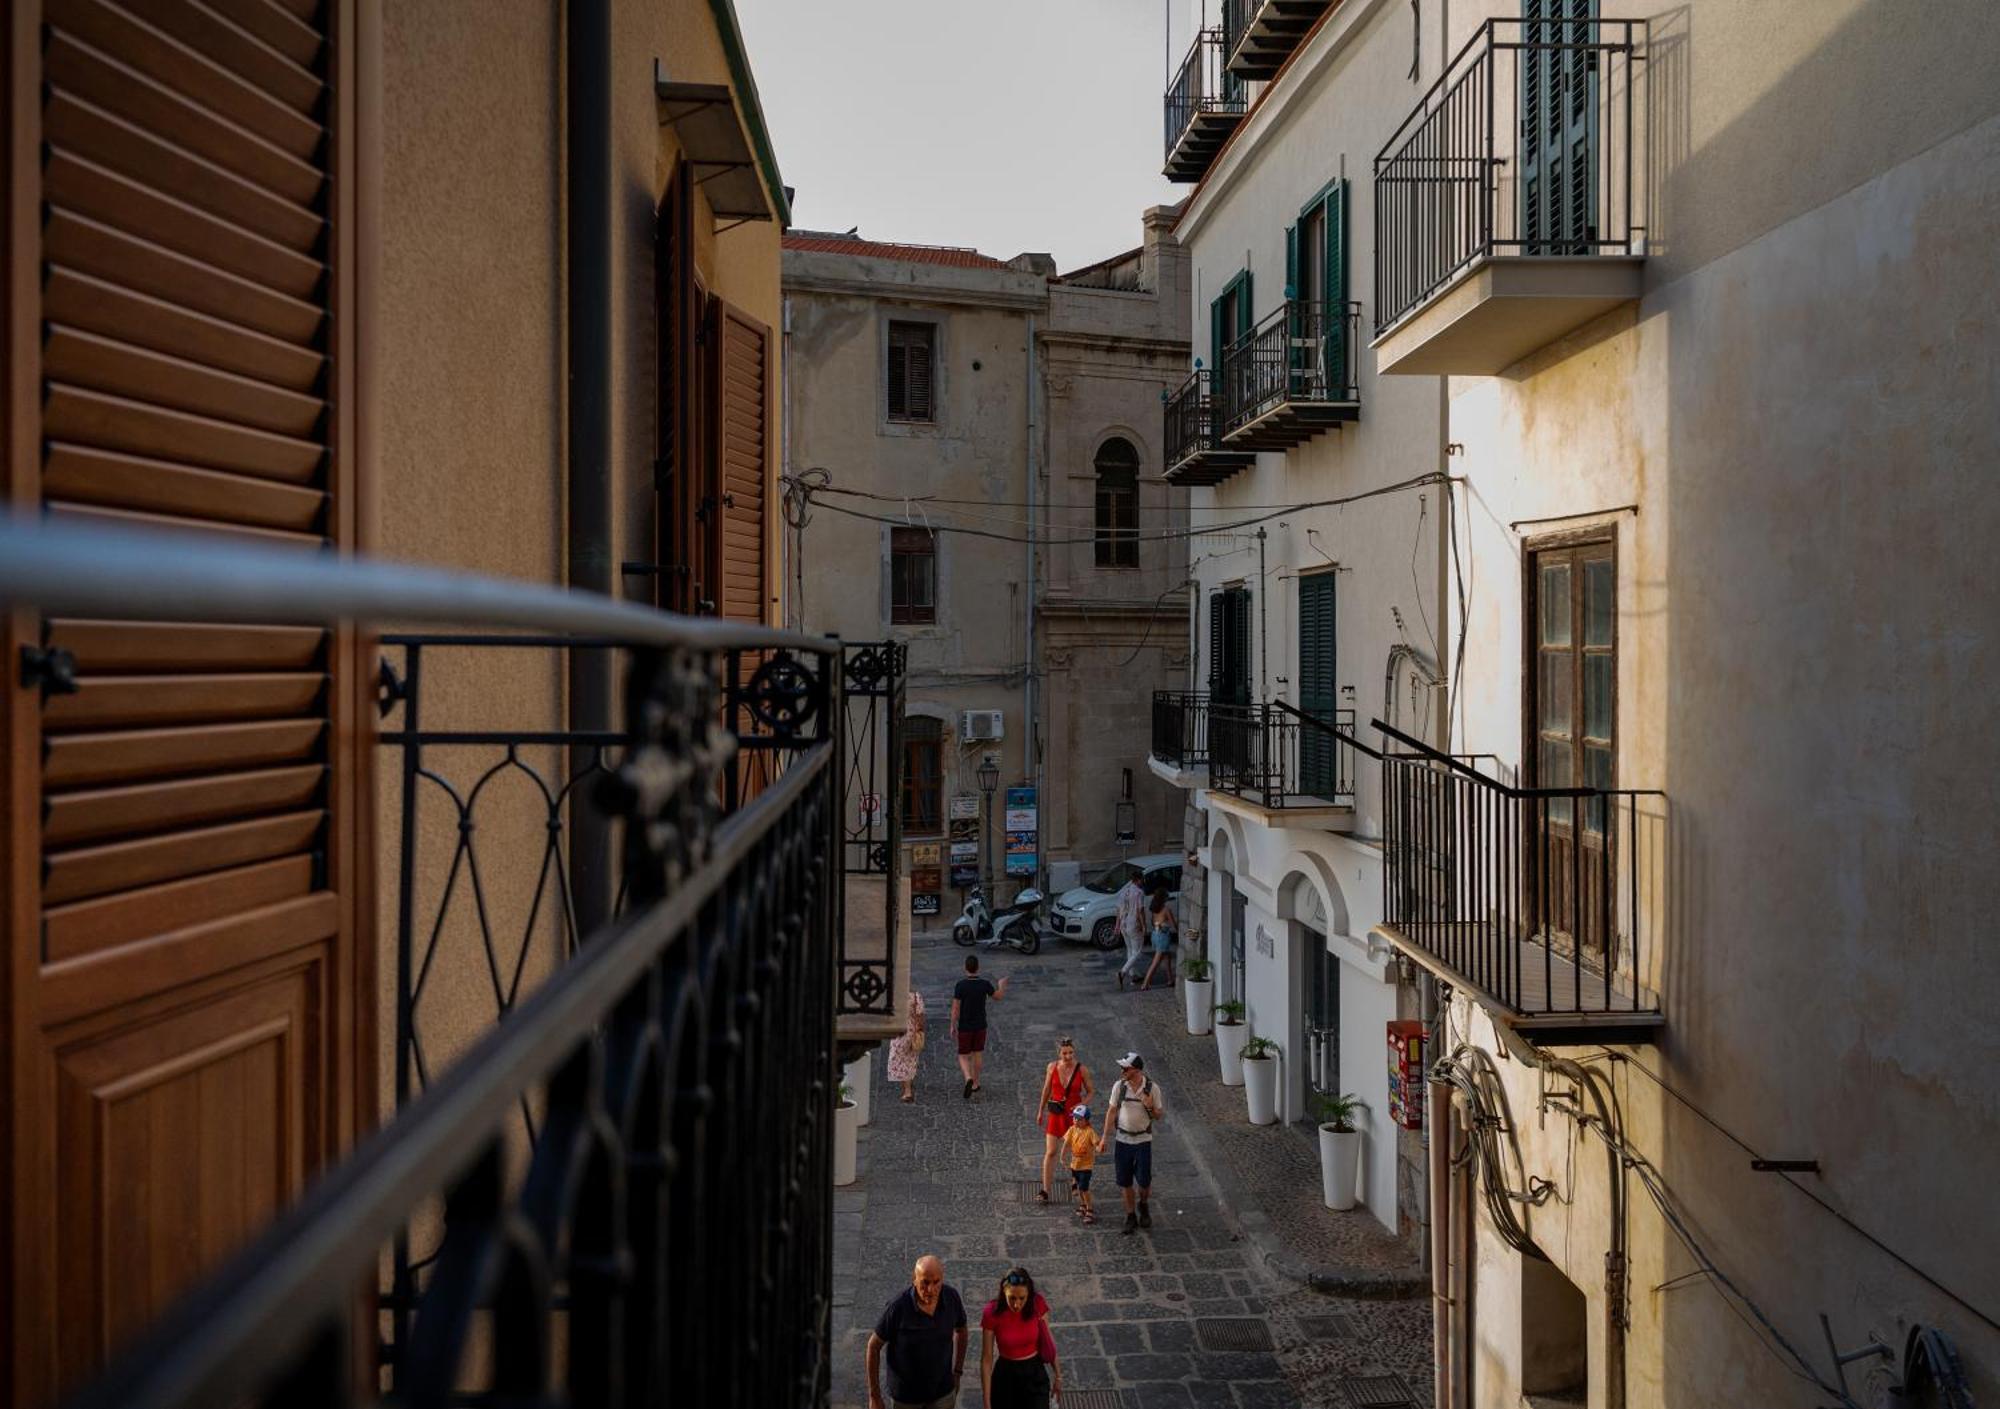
pixel 1134 1316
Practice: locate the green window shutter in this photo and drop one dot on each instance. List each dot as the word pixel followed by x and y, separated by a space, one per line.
pixel 1291 261
pixel 1243 304
pixel 1318 693
pixel 1295 361
pixel 1335 345
pixel 1215 341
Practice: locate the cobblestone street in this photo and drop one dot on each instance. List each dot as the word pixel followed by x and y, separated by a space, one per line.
pixel 1153 1319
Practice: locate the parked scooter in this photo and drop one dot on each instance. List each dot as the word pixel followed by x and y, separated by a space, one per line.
pixel 1013 928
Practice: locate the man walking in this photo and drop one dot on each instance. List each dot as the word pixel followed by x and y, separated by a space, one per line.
pixel 1132 925
pixel 922 1334
pixel 968 1021
pixel 1128 1128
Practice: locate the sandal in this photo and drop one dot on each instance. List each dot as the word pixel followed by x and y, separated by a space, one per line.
pixel 908 1099
pixel 1041 1196
pixel 1089 1217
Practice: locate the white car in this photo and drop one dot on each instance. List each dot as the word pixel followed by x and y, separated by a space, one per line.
pixel 1090 912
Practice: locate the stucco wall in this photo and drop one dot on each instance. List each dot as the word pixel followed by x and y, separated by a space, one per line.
pixel 1801 412
pixel 469 360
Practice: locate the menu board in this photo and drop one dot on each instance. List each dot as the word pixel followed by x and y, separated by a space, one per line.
pixel 1022 832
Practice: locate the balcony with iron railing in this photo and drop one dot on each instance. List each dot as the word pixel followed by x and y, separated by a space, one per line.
pixel 624 1158
pixel 1259 35
pixel 1269 756
pixel 1194 454
pixel 1538 903
pixel 1204 104
pixel 1291 376
pixel 1510 205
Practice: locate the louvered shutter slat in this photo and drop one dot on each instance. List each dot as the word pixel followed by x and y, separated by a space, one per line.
pixel 743 389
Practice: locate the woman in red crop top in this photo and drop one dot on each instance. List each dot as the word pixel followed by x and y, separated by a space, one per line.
pixel 1015 1347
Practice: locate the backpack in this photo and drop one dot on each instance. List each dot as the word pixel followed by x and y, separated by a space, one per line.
pixel 1119 1097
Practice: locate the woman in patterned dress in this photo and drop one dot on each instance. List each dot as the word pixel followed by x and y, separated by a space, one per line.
pixel 903 1051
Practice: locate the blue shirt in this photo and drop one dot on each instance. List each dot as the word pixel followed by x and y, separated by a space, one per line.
pixel 918 1348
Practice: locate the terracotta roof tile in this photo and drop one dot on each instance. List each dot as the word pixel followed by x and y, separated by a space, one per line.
pixel 816 243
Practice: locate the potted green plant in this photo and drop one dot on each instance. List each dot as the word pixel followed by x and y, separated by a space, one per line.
pixel 1260 1079
pixel 1230 1033
pixel 846 1130
pixel 1198 991
pixel 1339 1148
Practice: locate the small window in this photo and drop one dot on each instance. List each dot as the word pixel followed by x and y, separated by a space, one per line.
pixel 923 775
pixel 912 355
pixel 912 575
pixel 1117 504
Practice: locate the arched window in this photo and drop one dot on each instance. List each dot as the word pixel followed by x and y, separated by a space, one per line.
pixel 1117 504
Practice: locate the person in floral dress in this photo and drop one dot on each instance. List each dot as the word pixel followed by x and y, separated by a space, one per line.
pixel 904 1050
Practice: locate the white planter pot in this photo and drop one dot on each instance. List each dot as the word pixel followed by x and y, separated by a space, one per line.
pixel 858 1072
pixel 1200 996
pixel 1260 1088
pixel 1339 1165
pixel 1229 1040
pixel 846 1127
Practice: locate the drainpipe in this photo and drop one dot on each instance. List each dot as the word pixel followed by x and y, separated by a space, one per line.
pixel 1263 626
pixel 1438 1113
pixel 1448 666
pixel 587 156
pixel 1034 753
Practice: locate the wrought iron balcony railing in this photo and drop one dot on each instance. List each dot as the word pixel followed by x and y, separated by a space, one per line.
pixel 1524 146
pixel 1291 376
pixel 1180 728
pixel 1194 454
pixel 1259 35
pixel 1204 103
pixel 1534 900
pixel 632 1167
pixel 1280 757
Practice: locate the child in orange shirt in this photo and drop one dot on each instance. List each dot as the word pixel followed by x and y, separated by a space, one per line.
pixel 1082 1144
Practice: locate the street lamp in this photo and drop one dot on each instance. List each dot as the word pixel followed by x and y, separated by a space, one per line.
pixel 989 779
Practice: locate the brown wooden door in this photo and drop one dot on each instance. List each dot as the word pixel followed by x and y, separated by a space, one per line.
pixel 186 875
pixel 1573 631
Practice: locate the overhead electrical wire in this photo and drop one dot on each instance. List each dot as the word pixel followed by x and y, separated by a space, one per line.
pixel 812 495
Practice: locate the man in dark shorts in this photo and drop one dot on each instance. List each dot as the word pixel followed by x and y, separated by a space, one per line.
pixel 923 1335
pixel 1129 1117
pixel 968 1021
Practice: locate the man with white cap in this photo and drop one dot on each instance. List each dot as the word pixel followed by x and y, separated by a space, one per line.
pixel 1129 1117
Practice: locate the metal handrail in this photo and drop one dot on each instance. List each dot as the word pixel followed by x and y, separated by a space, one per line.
pixel 1200 85
pixel 1282 359
pixel 1462 177
pixel 1452 761
pixel 1324 727
pixel 96 571
pixel 260 1310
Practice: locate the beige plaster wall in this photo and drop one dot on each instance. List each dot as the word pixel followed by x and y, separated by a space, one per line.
pixel 1801 412
pixel 470 320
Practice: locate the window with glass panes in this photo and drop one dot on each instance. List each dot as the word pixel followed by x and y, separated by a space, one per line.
pixel 1117 535
pixel 908 377
pixel 912 575
pixel 923 775
pixel 1573 737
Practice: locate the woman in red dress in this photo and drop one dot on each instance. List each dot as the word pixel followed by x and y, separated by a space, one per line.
pixel 1066 1084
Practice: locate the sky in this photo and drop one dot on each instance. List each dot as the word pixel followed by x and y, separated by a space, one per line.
pixel 1007 125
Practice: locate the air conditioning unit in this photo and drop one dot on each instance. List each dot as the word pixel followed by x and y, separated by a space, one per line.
pixel 978 725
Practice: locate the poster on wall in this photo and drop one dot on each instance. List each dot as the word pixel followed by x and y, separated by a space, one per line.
pixel 925 904
pixel 925 881
pixel 964 851
pixel 964 875
pixel 925 853
pixel 1022 828
pixel 965 829
pixel 965 807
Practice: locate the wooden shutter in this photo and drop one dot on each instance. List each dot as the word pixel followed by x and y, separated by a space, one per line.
pixel 676 481
pixel 742 387
pixel 1317 687
pixel 909 374
pixel 1334 347
pixel 188 1014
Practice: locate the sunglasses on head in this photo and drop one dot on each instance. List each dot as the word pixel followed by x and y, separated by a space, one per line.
pixel 1017 1279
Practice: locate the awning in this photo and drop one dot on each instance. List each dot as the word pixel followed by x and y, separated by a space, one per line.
pixel 712 137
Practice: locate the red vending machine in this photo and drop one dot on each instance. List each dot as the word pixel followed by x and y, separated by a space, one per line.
pixel 1406 1073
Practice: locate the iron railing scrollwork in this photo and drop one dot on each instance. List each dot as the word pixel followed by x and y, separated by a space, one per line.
pixel 1189 428
pixel 1201 88
pixel 663 1230
pixel 1180 727
pixel 1538 897
pixel 1303 351
pixel 1524 146
pixel 874 673
pixel 1273 755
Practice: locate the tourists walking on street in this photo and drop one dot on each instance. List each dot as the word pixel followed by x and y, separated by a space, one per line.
pixel 1165 931
pixel 904 1050
pixel 1082 1144
pixel 1065 1082
pixel 968 1020
pixel 1017 1356
pixel 1129 1117
pixel 1132 926
pixel 922 1335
